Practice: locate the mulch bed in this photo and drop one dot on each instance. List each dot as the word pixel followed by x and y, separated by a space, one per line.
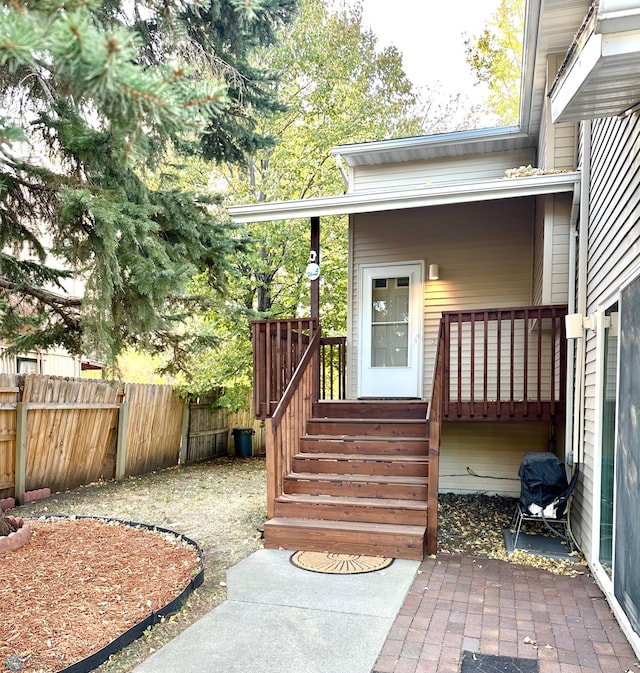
pixel 79 584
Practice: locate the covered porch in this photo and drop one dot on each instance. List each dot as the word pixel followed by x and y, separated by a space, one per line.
pixel 360 473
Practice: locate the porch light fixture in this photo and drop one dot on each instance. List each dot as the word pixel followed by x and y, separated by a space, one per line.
pixel 434 272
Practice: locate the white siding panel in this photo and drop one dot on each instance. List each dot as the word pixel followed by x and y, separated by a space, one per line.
pixel 441 171
pixel 614 249
pixel 484 250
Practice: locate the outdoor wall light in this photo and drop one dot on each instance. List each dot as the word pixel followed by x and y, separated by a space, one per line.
pixel 434 272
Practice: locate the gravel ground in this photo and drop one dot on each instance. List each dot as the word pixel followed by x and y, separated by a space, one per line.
pixel 222 506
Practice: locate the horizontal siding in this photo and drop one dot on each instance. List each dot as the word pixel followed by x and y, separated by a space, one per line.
pixel 559 284
pixel 53 363
pixel 614 251
pixel 484 250
pixel 538 253
pixel 436 172
pixel 493 451
pixel 564 147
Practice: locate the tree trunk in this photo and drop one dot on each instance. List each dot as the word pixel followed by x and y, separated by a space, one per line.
pixel 5 526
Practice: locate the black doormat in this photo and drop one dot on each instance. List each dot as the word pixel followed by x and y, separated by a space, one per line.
pixel 473 662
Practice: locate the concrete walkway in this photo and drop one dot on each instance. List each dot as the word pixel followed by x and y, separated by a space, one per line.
pixel 446 615
pixel 280 619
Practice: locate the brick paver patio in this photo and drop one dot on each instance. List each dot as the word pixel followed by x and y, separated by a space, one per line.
pixel 492 607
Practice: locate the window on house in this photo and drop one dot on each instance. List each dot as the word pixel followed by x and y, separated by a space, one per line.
pixel 27 366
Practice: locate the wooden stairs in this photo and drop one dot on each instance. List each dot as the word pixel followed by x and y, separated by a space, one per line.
pixel 359 483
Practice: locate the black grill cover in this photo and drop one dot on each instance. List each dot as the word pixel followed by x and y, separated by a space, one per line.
pixel 542 478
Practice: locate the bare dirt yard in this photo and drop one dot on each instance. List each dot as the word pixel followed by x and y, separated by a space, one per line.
pixel 222 506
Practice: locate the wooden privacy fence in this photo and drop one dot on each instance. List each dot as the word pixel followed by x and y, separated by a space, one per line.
pixel 60 433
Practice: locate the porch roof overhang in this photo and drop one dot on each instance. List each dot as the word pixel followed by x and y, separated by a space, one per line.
pixel 368 202
pixel 599 77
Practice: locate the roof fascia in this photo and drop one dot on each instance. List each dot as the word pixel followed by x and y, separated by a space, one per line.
pixel 354 203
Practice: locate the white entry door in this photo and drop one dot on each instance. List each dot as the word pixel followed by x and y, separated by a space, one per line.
pixel 390 344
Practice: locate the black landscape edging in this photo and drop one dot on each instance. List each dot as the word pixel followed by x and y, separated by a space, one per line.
pixel 94 660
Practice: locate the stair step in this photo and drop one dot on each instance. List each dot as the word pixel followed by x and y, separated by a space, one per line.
pixel 371 464
pixel 370 409
pixel 347 537
pixel 380 427
pixel 366 486
pixel 403 446
pixel 337 508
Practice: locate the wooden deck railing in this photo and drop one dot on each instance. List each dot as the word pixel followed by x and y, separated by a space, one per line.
pixel 278 347
pixel 504 364
pixel 287 424
pixel 333 368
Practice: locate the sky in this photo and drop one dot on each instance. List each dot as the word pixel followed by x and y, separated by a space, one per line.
pixel 430 35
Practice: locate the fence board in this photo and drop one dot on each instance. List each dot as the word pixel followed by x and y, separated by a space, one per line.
pixel 68 438
pixel 8 394
pixel 154 428
pixel 208 430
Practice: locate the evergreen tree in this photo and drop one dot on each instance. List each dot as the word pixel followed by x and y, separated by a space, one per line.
pixel 94 94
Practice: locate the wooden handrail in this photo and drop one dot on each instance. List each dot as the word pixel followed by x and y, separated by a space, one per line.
pixel 312 349
pixel 435 416
pixel 287 425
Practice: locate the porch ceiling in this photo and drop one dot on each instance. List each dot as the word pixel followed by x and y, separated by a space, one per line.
pixel 461 192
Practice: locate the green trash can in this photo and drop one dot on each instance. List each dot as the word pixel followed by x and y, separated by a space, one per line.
pixel 243 441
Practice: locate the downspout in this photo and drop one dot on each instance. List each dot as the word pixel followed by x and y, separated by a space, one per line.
pixel 571 308
pixel 581 307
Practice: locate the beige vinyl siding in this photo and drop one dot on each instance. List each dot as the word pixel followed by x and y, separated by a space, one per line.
pixel 538 252
pixel 614 251
pixel 436 172
pixel 551 249
pixel 493 451
pixel 557 142
pixel 484 251
pixel 559 261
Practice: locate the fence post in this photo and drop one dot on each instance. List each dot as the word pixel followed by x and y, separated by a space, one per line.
pixel 20 470
pixel 184 436
pixel 121 449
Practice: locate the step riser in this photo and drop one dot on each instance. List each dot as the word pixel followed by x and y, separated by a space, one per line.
pixel 409 547
pixel 367 428
pixel 356 489
pixel 389 447
pixel 326 512
pixel 375 410
pixel 365 467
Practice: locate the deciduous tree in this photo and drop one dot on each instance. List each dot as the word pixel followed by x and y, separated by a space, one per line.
pixel 496 58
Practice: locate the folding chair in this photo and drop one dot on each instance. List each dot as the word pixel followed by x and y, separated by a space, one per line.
pixel 545 495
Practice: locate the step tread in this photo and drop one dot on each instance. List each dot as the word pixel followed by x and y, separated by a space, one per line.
pixel 359 419
pixel 365 478
pixel 360 457
pixel 359 526
pixel 364 438
pixel 346 501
